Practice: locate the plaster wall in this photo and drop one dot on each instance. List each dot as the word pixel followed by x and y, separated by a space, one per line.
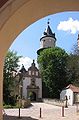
pixel 39 83
pixel 69 94
pixel 26 82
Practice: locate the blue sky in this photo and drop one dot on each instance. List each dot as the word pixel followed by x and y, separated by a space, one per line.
pixel 65 25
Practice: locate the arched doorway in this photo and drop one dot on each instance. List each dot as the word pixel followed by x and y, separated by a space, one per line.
pixel 16 15
pixel 32 96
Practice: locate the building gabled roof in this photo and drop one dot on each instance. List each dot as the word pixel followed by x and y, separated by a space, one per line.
pixel 73 88
pixel 22 70
pixel 33 67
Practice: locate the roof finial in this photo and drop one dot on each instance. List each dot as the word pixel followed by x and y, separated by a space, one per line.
pixel 48 21
pixel 33 61
pixel 33 64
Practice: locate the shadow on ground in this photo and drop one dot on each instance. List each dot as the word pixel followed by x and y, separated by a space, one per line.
pixel 6 117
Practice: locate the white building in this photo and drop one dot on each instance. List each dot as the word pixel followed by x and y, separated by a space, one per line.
pixel 32 83
pixel 72 93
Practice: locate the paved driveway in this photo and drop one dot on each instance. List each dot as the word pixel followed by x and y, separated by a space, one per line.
pixel 48 112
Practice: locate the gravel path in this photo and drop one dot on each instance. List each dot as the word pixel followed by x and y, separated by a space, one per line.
pixel 49 112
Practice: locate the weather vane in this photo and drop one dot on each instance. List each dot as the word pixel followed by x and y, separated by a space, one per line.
pixel 48 21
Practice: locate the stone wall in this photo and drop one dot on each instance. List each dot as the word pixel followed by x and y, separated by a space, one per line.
pixel 56 102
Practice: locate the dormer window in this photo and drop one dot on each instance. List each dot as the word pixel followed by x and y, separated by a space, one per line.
pixel 36 73
pixel 32 72
pixel 29 72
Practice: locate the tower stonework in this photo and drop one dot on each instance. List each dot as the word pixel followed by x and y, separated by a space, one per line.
pixel 47 40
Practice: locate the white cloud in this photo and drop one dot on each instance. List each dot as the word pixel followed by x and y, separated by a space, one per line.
pixel 26 61
pixel 70 25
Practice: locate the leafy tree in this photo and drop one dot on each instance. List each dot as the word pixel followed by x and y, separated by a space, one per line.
pixel 11 63
pixel 73 69
pixel 75 50
pixel 73 66
pixel 52 64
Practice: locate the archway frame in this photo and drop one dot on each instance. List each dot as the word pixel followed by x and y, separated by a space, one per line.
pixel 16 15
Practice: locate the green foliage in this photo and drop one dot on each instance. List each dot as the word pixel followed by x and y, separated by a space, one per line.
pixel 73 66
pixel 75 50
pixel 7 106
pixel 53 67
pixel 73 69
pixel 10 106
pixel 10 63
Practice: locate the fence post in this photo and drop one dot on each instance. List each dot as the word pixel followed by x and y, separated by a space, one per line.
pixel 40 112
pixel 62 111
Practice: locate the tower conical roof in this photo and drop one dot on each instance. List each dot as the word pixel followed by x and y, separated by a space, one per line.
pixel 48 32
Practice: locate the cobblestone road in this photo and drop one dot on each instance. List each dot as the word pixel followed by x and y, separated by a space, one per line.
pixel 49 112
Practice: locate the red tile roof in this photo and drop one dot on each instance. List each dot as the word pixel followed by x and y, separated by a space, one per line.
pixel 73 88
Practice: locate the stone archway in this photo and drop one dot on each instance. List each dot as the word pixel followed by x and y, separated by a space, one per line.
pixel 16 15
pixel 33 95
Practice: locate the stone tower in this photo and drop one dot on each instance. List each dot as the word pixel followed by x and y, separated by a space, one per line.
pixel 48 39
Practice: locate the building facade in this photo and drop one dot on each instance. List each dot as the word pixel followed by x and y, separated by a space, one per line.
pixel 72 94
pixel 31 83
